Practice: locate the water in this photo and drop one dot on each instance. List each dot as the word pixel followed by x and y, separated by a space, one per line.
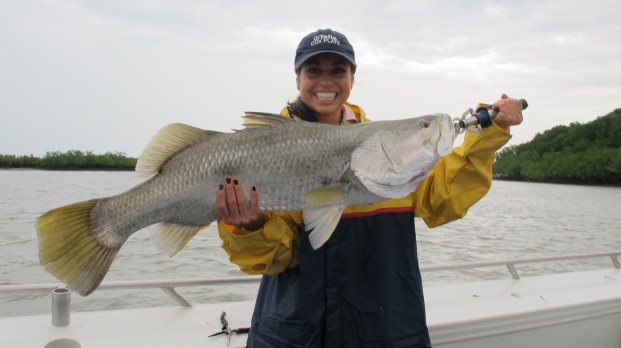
pixel 515 220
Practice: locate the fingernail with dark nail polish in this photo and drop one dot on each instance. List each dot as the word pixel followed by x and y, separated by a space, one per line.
pixel 228 180
pixel 221 187
pixel 254 188
pixel 236 182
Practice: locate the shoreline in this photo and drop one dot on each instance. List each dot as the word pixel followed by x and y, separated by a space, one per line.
pixel 71 169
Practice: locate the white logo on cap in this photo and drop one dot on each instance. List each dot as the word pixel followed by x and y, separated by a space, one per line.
pixel 319 39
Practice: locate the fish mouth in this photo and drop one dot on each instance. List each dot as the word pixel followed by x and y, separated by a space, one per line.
pixel 325 96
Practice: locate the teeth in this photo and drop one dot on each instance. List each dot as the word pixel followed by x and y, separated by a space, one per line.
pixel 325 95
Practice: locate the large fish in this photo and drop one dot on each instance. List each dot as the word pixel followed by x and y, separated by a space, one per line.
pixel 307 166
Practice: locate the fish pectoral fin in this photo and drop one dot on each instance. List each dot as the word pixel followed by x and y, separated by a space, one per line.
pixel 262 119
pixel 322 222
pixel 169 238
pixel 167 142
pixel 327 195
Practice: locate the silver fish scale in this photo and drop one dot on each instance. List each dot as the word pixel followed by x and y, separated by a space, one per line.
pixel 283 162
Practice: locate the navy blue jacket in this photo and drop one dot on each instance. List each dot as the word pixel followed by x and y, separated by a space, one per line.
pixel 363 288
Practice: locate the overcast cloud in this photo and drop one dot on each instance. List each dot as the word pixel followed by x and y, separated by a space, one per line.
pixel 106 75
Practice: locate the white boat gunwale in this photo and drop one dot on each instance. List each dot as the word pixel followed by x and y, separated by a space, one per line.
pixel 169 285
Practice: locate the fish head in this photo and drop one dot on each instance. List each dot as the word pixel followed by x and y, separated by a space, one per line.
pixel 393 160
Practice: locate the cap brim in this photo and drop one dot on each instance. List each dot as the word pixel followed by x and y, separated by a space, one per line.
pixel 306 57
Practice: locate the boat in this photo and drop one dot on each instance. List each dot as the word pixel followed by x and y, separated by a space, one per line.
pixel 578 308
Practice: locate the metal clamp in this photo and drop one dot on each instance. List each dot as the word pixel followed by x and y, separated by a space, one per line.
pixel 467 122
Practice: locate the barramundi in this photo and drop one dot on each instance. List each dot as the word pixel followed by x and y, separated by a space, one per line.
pixel 313 167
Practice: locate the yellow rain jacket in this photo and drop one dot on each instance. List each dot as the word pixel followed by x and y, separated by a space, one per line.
pixel 363 286
pixel 456 182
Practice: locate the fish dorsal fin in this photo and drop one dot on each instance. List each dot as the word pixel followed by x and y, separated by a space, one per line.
pixel 322 222
pixel 170 238
pixel 263 119
pixel 167 142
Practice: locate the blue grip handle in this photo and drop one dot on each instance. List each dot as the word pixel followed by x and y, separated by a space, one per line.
pixel 484 115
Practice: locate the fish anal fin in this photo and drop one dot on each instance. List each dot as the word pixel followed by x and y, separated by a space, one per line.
pixel 322 222
pixel 169 238
pixel 326 195
pixel 69 248
pixel 167 142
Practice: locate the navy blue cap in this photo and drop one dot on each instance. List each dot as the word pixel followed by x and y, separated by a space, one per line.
pixel 323 41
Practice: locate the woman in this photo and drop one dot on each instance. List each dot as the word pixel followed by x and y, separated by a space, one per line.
pixel 363 288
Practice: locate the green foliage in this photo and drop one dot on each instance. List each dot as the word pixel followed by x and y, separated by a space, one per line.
pixel 72 159
pixel 578 153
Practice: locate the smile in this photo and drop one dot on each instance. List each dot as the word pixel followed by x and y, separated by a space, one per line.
pixel 325 95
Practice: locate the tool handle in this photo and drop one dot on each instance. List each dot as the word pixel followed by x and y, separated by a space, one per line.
pixel 225 323
pixel 485 114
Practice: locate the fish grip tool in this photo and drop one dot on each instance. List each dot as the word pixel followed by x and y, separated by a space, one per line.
pixel 475 121
pixel 226 329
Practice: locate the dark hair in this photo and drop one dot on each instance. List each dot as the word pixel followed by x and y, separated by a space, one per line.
pixel 300 109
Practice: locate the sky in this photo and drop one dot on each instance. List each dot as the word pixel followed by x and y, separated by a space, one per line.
pixel 104 76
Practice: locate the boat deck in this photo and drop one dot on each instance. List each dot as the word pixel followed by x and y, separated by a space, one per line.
pixel 150 327
pixel 580 309
pixel 577 309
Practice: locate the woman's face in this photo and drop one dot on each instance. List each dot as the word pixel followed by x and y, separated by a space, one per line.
pixel 324 82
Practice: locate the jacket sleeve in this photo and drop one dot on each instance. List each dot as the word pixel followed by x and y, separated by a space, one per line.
pixel 460 179
pixel 269 250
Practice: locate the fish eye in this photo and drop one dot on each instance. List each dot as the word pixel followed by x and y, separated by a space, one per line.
pixel 424 124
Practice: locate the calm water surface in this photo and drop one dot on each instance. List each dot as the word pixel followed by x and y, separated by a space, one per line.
pixel 515 220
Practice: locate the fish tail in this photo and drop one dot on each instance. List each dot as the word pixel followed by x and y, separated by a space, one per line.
pixel 69 248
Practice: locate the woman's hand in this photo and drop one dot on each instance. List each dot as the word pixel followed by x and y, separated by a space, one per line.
pixel 509 111
pixel 233 207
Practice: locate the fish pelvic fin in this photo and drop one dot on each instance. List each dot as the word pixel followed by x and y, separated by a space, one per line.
pixel 322 222
pixel 70 250
pixel 170 238
pixel 168 141
pixel 262 119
